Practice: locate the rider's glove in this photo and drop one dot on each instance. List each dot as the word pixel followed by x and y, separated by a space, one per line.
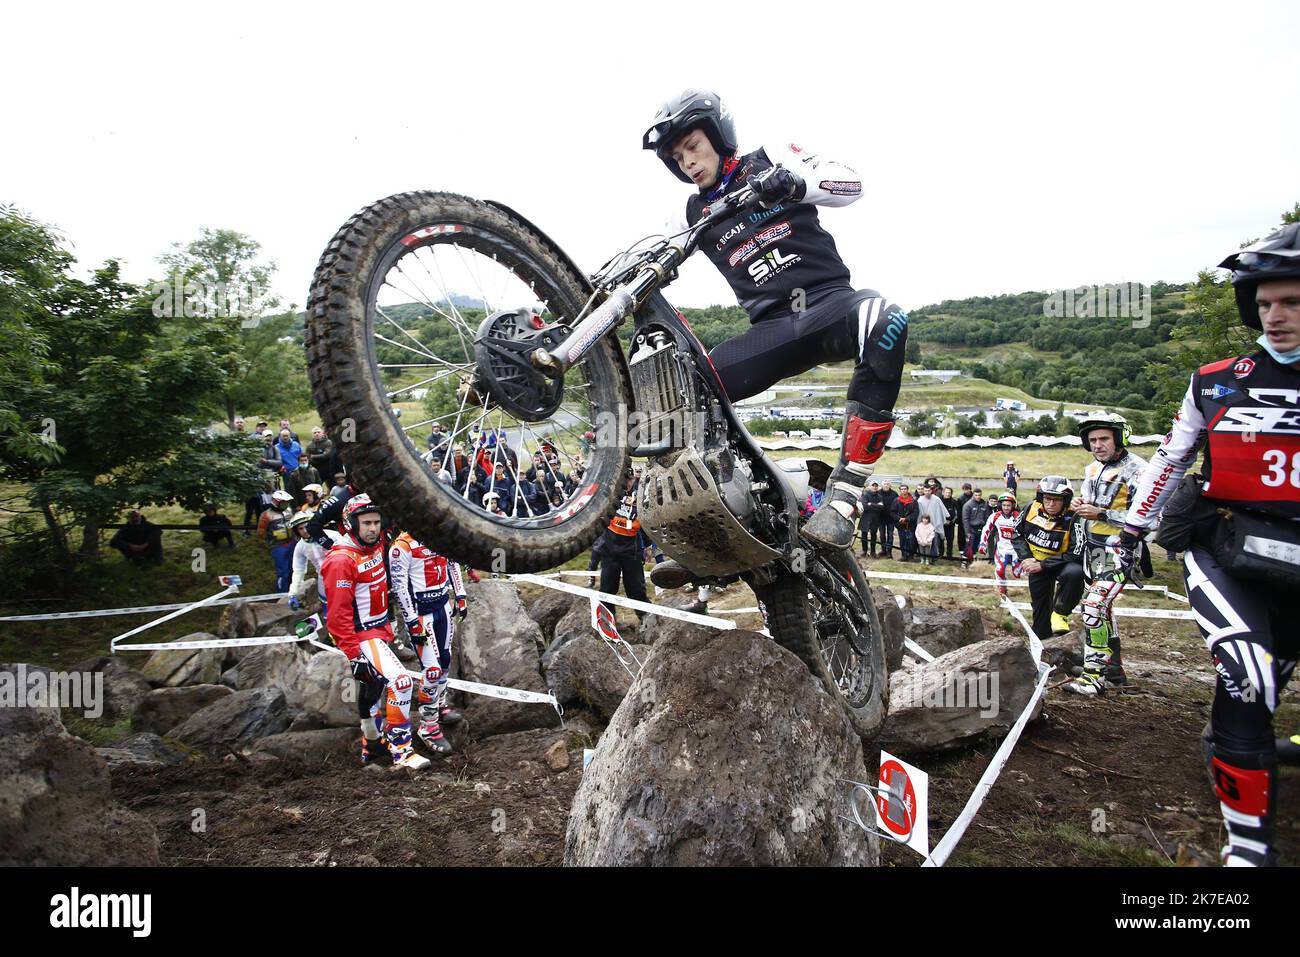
pixel 462 606
pixel 1128 549
pixel 415 628
pixel 294 603
pixel 776 185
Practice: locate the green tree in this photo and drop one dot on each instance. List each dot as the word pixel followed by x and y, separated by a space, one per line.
pixel 222 276
pixel 123 392
pixel 912 352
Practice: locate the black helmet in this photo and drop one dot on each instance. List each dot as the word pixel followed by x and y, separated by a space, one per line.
pixel 1274 257
pixel 692 110
pixel 1117 424
pixel 1055 485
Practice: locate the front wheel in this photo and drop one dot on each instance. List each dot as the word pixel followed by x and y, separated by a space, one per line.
pixel 827 618
pixel 419 309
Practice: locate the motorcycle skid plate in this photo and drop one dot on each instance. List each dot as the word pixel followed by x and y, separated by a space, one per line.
pixel 683 513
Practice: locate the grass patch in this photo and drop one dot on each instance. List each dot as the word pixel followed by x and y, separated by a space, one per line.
pixel 101 734
pixel 1034 842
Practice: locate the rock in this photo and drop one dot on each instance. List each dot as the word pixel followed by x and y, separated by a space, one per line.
pixel 329 691
pixel 549 607
pixel 116 758
pixel 165 708
pixel 893 623
pixel 557 755
pixel 498 644
pixel 940 630
pixel 576 623
pixel 124 687
pixel 150 747
pixel 237 620
pixel 275 666
pixel 959 697
pixel 314 746
pixel 56 803
pixel 656 628
pixel 1064 652
pixel 230 677
pixel 236 719
pixel 171 669
pixel 585 671
pixel 726 751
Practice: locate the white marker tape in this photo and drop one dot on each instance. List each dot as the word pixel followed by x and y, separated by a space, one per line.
pixel 107 612
pixel 1010 582
pixel 917 650
pixel 232 587
pixel 214 643
pixel 645 606
pixel 939 856
pixel 474 687
pixel 1139 612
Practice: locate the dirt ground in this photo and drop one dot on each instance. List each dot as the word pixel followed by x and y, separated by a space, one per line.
pixel 493 803
pixel 1113 781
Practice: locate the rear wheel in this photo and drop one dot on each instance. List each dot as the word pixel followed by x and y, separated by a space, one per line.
pixel 827 618
pixel 420 309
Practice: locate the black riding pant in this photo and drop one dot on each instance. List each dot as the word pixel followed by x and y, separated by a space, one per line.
pixel 1065 579
pixel 838 324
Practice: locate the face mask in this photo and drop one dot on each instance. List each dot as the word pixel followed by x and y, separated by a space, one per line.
pixel 1286 358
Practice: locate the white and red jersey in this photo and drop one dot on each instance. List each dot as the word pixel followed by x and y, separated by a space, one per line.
pixel 1247 410
pixel 356 591
pixel 999 531
pixel 421 577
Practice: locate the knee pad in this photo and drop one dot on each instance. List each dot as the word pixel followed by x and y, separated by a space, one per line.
pixel 866 430
pixel 1245 670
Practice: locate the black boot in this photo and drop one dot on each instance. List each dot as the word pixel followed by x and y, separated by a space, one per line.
pixel 866 430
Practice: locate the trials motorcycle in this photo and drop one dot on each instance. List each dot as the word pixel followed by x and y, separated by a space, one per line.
pixel 472 313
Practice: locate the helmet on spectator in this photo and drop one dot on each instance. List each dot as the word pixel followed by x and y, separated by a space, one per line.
pixel 1055 485
pixel 1106 420
pixel 314 487
pixel 302 518
pixel 279 495
pixel 1277 256
pixel 1007 497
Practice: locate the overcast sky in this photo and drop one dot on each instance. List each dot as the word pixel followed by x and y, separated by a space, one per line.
pixel 1002 147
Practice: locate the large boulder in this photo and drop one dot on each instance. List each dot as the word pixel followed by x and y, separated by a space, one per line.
pixel 1064 652
pixel 498 644
pixel 147 746
pixel 165 708
pixel 656 628
pixel 171 669
pixel 124 687
pixel 235 719
pixel 941 630
pixel 894 617
pixel 245 619
pixel 274 666
pixel 959 697
pixel 575 623
pixel 309 746
pixel 56 802
pixel 725 751
pixel 549 607
pixel 586 672
pixel 329 697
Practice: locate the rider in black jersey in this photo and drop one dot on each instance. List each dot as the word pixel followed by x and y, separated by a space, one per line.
pixel 787 274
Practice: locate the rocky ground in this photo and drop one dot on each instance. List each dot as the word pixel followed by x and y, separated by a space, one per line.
pixel 1112 781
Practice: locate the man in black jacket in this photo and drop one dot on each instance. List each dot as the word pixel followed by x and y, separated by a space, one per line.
pixel 873 518
pixel 962 499
pixel 973 516
pixel 888 520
